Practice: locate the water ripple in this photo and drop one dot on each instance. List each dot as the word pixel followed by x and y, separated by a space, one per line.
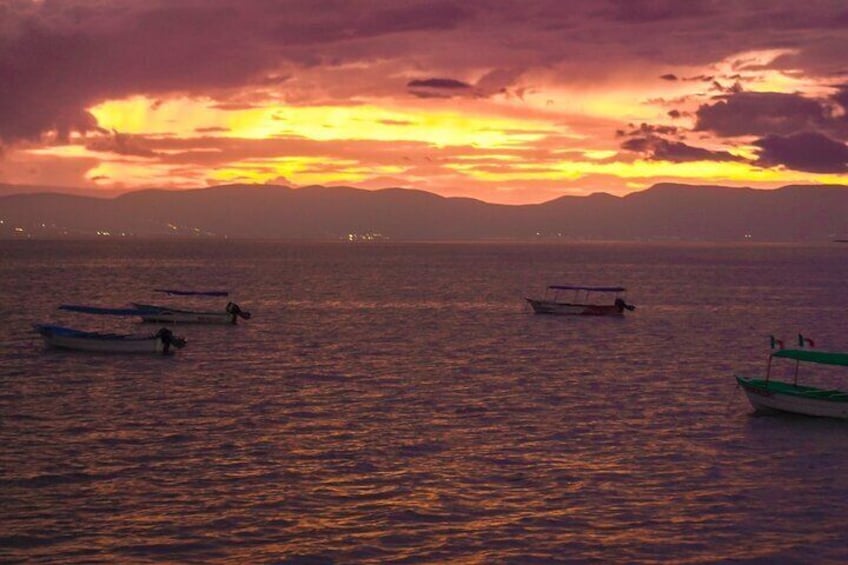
pixel 413 411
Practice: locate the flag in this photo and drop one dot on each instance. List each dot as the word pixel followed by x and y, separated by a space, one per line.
pixel 805 341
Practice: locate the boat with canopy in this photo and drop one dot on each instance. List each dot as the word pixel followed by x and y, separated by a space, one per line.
pixel 768 395
pixel 166 314
pixel 163 341
pixel 579 300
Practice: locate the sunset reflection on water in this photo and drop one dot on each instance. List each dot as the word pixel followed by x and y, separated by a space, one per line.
pixel 343 424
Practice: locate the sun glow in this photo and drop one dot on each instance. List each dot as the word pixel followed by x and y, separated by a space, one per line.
pixel 302 170
pixel 187 118
pixel 555 134
pixel 639 169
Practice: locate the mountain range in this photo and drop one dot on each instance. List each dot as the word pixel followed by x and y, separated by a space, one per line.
pixel 664 211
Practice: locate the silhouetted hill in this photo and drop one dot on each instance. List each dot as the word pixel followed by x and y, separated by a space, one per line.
pixel 665 211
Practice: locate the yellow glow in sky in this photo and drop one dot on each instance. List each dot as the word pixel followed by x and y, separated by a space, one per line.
pixel 553 133
pixel 304 169
pixel 187 118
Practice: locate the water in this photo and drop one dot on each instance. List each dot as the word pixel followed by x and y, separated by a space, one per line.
pixel 398 403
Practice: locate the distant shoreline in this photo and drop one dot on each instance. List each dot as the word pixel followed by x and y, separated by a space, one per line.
pixel 403 242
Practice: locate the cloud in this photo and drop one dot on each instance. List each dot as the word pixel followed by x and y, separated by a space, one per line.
pixel 580 65
pixel 399 17
pixel 212 129
pixel 642 11
pixel 648 130
pixel 439 88
pixel 840 97
pixel 444 83
pixel 500 81
pixel 60 58
pixel 496 81
pixel 120 144
pixel 761 113
pixel 657 149
pixel 808 151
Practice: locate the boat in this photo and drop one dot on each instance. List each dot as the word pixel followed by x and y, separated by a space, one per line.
pixel 163 341
pixel 769 396
pixel 581 301
pixel 168 315
pixel 164 314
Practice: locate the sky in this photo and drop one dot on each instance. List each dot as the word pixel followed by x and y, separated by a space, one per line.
pixel 512 102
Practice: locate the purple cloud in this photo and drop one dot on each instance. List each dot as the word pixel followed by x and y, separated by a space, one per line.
pixel 121 144
pixel 642 11
pixel 397 17
pixel 841 99
pixel 808 151
pixel 761 113
pixel 657 149
pixel 58 61
pixel 59 58
pixel 445 83
pixel 439 88
pixel 648 130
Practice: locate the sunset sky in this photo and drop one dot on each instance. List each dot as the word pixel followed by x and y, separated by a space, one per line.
pixel 505 101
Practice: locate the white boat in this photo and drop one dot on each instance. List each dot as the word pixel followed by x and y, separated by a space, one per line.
pixel 581 301
pixel 168 315
pixel 163 341
pixel 769 396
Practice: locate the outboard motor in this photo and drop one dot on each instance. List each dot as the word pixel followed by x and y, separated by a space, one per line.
pixel 233 308
pixel 621 305
pixel 168 339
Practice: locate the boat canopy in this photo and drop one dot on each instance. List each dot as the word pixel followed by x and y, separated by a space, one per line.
pixel 55 330
pixel 588 288
pixel 821 357
pixel 104 311
pixel 192 292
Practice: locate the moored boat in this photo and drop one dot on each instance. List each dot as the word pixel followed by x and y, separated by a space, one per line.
pixel 581 301
pixel 168 315
pixel 163 341
pixel 767 395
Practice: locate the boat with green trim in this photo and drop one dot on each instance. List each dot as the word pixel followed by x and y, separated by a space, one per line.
pixel 768 395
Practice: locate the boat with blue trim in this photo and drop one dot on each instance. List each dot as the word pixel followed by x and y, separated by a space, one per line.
pixel 163 341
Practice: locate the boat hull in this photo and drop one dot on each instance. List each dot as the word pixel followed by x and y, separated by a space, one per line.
pixel 570 309
pixel 777 396
pixel 66 338
pixel 165 315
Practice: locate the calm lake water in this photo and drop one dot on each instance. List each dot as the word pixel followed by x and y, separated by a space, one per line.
pixel 398 403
